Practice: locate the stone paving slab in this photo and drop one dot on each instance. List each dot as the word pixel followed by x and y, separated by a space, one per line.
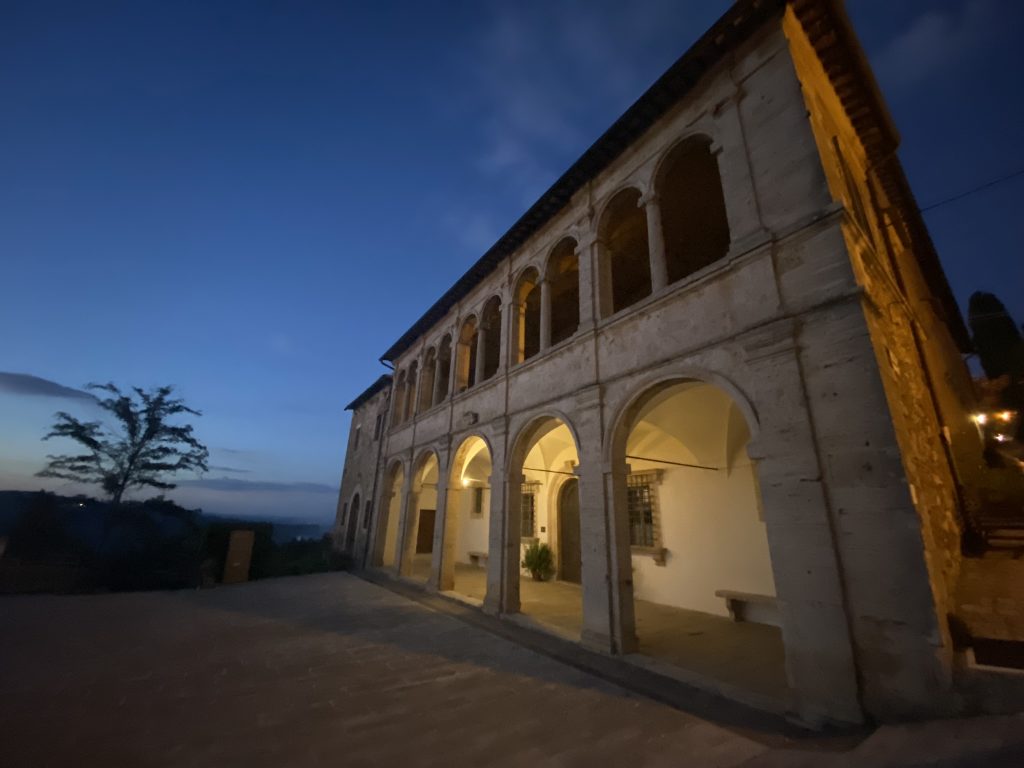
pixel 333 670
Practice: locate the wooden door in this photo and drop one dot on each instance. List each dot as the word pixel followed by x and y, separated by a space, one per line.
pixel 569 532
pixel 425 531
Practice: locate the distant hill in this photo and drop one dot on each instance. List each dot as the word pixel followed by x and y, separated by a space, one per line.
pixel 86 515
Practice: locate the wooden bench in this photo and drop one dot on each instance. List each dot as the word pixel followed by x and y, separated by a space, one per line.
pixel 746 606
pixel 479 559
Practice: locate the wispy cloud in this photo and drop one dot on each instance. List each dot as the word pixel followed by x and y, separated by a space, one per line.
pixel 34 386
pixel 232 484
pixel 935 41
pixel 233 470
pixel 548 73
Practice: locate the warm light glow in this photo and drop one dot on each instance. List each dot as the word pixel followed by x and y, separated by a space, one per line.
pixel 465 482
pixel 980 418
pixel 1005 415
pixel 1002 438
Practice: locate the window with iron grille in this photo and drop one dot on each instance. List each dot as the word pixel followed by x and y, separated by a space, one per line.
pixel 478 502
pixel 640 500
pixel 529 509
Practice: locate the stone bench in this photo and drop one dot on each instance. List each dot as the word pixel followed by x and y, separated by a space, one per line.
pixel 746 606
pixel 479 559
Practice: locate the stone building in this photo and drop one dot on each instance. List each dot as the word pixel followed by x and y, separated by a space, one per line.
pixel 717 369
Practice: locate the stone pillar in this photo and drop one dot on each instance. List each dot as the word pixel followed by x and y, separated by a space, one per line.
pixel 820 663
pixel 607 573
pixel 504 542
pixel 403 562
pixel 481 349
pixel 545 313
pixel 741 206
pixel 443 566
pixel 655 241
pixel 440 555
pixel 504 335
pixel 585 258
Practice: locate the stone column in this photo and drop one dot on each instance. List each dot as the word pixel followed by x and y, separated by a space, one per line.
pixel 403 562
pixel 481 349
pixel 504 542
pixel 607 574
pixel 443 566
pixel 440 555
pixel 545 313
pixel 655 241
pixel 504 334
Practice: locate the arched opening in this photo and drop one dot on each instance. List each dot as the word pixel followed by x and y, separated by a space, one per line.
pixel 421 516
pixel 542 480
pixel 465 361
pixel 527 315
pixel 352 523
pixel 398 407
pixel 703 587
pixel 410 391
pixel 491 324
pixel 426 393
pixel 624 246
pixel 386 545
pixel 693 220
pixel 444 369
pixel 468 520
pixel 563 276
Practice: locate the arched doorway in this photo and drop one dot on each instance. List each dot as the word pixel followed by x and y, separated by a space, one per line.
pixel 421 514
pixel 569 560
pixel 466 546
pixel 702 581
pixel 353 523
pixel 386 544
pixel 543 487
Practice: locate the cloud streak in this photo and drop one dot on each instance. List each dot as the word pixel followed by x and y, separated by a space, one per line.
pixel 237 485
pixel 34 386
pixel 936 40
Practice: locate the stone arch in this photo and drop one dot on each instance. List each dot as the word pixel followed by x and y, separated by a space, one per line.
pixel 562 275
pixel 398 406
pixel 425 397
pixel 443 369
pixel 688 521
pixel 412 387
pixel 544 453
pixel 624 251
pixel 490 326
pixel 526 315
pixel 691 198
pixel 352 520
pixel 623 412
pixel 385 548
pixel 465 354
pixel 420 515
pixel 465 538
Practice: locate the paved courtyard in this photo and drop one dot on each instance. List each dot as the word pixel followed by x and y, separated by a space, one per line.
pixel 333 670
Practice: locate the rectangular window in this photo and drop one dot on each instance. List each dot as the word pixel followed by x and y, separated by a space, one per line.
pixel 529 510
pixel 640 502
pixel 478 502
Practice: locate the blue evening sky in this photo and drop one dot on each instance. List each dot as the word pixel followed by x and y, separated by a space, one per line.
pixel 253 200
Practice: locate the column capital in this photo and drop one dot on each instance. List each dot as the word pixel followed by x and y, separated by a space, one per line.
pixel 650 197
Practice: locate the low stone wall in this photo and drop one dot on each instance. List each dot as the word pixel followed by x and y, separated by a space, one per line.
pixel 990 597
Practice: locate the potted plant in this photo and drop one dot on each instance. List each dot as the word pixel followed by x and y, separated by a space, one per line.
pixel 539 561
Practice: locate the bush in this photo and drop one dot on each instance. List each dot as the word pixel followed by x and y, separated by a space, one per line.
pixel 539 561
